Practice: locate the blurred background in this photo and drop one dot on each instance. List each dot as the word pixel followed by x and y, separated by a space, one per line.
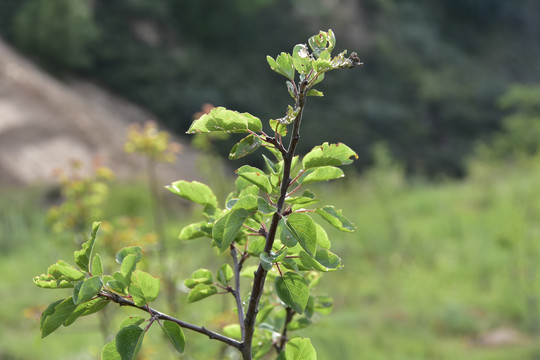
pixel 444 114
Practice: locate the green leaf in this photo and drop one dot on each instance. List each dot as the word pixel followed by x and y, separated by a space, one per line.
pixel 266 261
pixel 278 126
pixel 55 315
pixel 233 331
pixel 247 202
pixel 175 334
pixel 324 260
pixel 256 246
pixel 109 351
pixel 48 312
pixel 301 59
pixel 227 228
pixel 323 41
pixel 201 276
pixel 89 289
pixel 222 120
pixel 300 349
pixel 285 62
pixel 196 230
pixel 194 191
pixel 47 281
pixel 123 253
pixel 286 235
pixel 335 218
pixel 120 282
pixel 87 308
pixel 97 266
pixel 82 257
pixel 307 198
pixel 144 288
pixel 303 229
pixel 298 323
pixel 200 292
pixel 282 65
pixel 323 173
pixel 329 155
pixel 293 290
pixel 132 320
pixel 256 177
pixel 264 207
pixel 245 147
pixel 261 347
pixel 314 92
pixel 127 268
pixel 322 237
pixel 128 342
pixel 225 274
pixel 62 270
pixel 272 167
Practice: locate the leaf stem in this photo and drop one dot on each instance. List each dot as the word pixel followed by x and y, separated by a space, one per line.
pixel 236 292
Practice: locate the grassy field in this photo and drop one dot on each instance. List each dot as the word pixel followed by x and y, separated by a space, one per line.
pixel 443 270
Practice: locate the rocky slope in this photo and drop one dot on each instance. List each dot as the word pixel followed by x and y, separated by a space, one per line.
pixel 46 123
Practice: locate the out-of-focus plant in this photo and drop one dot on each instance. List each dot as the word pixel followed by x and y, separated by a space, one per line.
pixel 60 33
pixel 520 135
pixel 156 147
pixel 82 198
pixel 268 220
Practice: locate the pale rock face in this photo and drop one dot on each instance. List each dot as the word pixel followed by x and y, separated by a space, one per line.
pixel 45 124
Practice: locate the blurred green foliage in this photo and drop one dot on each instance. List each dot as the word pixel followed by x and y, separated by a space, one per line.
pixel 437 268
pixel 58 33
pixel 433 69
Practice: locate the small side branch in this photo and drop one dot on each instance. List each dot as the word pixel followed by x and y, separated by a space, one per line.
pixel 283 338
pixel 161 316
pixel 236 292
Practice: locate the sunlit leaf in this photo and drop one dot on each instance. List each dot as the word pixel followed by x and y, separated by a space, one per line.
pixel 62 270
pixel 255 176
pixel 225 274
pixel 323 173
pixel 200 292
pixel 82 257
pixel 301 58
pixel 335 218
pixel 194 191
pixel 144 288
pixel 282 65
pixel 97 267
pixel 135 250
pixel 329 155
pixel 222 120
pixel 109 351
pixel 89 289
pixel 245 147
pixel 196 230
pixel 300 349
pixel 47 281
pixel 201 276
pixel 233 331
